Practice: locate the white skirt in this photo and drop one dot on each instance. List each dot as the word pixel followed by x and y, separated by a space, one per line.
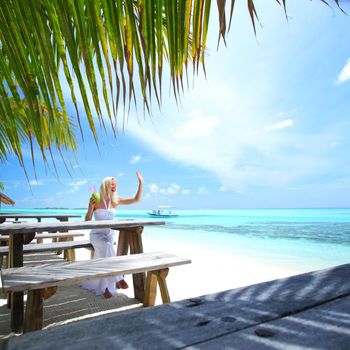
pixel 103 242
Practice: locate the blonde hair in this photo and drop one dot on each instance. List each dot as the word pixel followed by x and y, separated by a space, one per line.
pixel 105 190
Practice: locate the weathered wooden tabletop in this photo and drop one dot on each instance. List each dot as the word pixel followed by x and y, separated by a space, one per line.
pixel 308 311
pixel 29 227
pixel 39 217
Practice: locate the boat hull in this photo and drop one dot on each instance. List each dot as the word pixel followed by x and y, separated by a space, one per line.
pixel 162 215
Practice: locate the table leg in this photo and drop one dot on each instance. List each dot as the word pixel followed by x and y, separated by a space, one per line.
pixel 16 260
pixel 136 247
pixel 66 255
pixel 39 240
pixel 123 242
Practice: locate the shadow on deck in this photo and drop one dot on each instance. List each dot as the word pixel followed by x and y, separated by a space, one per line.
pixel 308 311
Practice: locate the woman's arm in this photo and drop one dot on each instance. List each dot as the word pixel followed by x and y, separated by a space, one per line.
pixel 138 194
pixel 91 209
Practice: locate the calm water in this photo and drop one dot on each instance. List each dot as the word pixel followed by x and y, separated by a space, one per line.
pixel 302 239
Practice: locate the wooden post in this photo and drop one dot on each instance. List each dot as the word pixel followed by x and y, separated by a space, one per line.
pixel 161 276
pixel 9 265
pixel 69 254
pixel 16 299
pixel 39 240
pixel 34 310
pixel 135 240
pixel 92 252
pixel 151 289
pixel 136 247
pixel 66 255
pixel 123 242
pixel 48 292
pixel 9 255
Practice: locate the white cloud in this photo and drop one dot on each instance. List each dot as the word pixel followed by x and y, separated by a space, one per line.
pixel 12 185
pixel 345 73
pixel 74 189
pixel 222 188
pixel 197 126
pixel 77 183
pixel 35 183
pixel 186 192
pixel 75 186
pixel 153 188
pixel 281 125
pixel 172 189
pixel 202 190
pixel 135 159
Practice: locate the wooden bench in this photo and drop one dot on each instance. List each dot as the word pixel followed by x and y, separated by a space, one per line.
pixel 5 238
pixel 57 236
pixel 41 282
pixel 68 246
pixel 15 221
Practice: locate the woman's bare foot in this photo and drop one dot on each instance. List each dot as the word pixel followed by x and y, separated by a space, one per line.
pixel 107 294
pixel 122 284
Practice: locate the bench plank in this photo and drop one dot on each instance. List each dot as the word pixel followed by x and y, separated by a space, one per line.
pixel 45 247
pixel 69 273
pixel 49 235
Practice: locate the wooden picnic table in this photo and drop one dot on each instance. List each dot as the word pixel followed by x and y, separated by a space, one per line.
pixel 30 236
pixel 129 236
pixel 307 311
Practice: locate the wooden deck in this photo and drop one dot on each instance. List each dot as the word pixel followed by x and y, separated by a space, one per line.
pixel 308 311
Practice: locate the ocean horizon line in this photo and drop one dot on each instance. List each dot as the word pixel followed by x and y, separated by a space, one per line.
pixel 177 208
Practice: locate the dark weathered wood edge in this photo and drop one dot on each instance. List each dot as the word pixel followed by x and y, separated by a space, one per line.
pixel 75 225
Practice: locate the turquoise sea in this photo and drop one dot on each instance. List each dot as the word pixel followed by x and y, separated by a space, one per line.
pixel 301 239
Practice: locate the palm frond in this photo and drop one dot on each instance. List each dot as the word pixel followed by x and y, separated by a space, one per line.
pixel 83 44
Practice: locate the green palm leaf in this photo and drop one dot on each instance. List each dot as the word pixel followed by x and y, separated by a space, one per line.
pixel 117 47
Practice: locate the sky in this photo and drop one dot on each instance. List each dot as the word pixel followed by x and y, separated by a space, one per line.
pixel 267 127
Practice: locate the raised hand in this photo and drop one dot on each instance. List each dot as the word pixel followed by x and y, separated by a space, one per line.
pixel 139 176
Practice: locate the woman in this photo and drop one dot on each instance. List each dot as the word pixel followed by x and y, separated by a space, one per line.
pixel 104 239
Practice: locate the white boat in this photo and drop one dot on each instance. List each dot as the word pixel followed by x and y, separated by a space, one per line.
pixel 163 211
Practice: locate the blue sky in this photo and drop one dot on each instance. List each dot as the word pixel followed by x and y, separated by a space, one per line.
pixel 268 126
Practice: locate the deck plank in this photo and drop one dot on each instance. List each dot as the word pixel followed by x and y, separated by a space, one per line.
pixel 326 326
pixel 296 306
